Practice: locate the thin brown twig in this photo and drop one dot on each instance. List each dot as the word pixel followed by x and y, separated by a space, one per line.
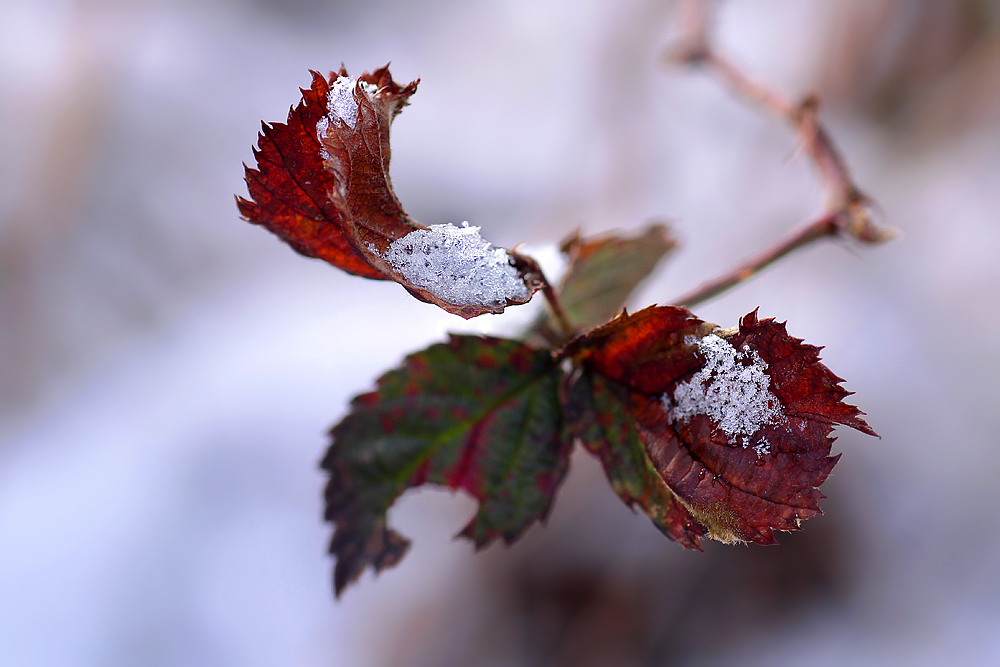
pixel 848 209
pixel 826 226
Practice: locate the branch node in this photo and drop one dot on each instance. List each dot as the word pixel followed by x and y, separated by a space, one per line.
pixel 687 52
pixel 848 209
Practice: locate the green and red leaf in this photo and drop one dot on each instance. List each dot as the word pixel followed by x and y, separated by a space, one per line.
pixel 641 364
pixel 476 414
pixel 603 272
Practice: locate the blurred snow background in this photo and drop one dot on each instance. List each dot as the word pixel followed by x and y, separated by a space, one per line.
pixel 167 372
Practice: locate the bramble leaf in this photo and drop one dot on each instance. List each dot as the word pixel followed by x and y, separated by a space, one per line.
pixel 597 414
pixel 604 271
pixel 290 190
pixel 735 422
pixel 322 185
pixel 477 414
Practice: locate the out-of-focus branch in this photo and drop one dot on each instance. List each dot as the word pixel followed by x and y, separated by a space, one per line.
pixel 848 209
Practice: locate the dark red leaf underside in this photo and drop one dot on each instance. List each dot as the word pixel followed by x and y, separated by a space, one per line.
pixel 359 158
pixel 734 492
pixel 477 414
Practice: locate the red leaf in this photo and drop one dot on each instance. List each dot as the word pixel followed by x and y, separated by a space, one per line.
pixel 289 189
pixel 322 185
pixel 736 422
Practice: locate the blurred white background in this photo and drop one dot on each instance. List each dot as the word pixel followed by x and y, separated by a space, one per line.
pixel 168 372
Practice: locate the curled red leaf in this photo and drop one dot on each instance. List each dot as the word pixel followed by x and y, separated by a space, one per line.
pixel 322 185
pixel 735 422
pixel 289 189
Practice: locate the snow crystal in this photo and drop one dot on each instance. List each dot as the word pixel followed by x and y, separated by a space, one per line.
pixel 457 265
pixel 341 105
pixel 762 447
pixel 732 388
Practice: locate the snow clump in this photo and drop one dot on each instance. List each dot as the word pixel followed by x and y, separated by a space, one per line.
pixel 457 265
pixel 732 388
pixel 341 105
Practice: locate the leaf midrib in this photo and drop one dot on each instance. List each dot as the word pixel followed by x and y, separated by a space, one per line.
pixel 434 443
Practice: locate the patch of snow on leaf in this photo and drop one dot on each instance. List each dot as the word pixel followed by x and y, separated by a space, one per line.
pixel 457 265
pixel 732 388
pixel 341 105
pixel 340 100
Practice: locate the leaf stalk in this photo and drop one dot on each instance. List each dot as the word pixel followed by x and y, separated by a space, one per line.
pixel 556 306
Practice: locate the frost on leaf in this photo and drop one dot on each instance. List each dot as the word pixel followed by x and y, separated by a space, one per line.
pixel 732 388
pixel 740 471
pixel 457 265
pixel 322 185
pixel 476 414
pixel 341 105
